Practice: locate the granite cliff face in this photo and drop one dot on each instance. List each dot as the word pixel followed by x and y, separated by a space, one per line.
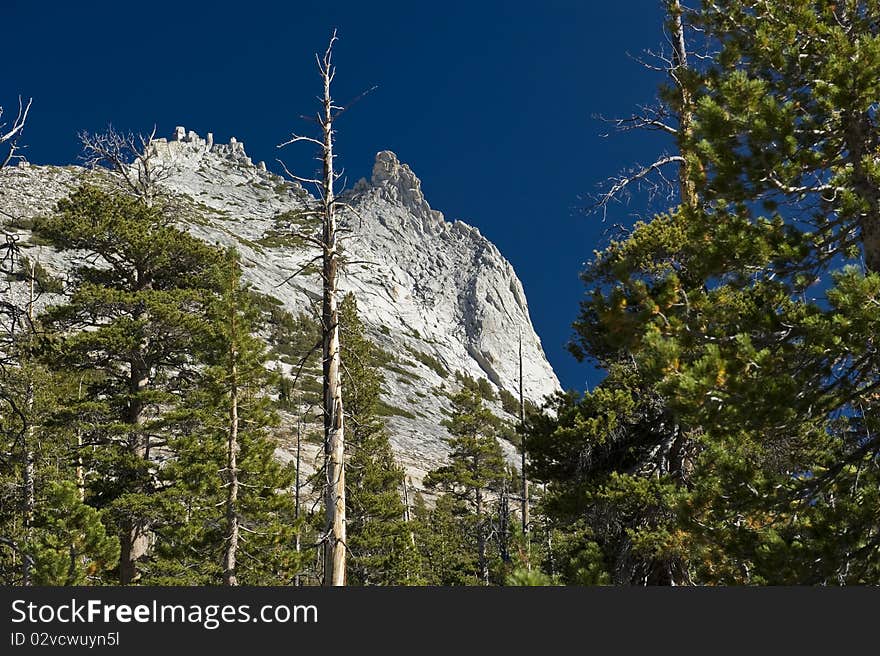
pixel 435 293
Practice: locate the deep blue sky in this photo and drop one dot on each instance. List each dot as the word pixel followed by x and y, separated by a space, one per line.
pixel 491 103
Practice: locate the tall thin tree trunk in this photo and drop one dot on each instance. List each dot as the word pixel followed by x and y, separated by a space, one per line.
pixel 550 559
pixel 334 433
pixel 133 536
pixel 407 515
pixel 232 526
pixel 299 423
pixel 482 562
pixel 687 186
pixel 407 519
pixel 80 470
pixel 504 523
pixel 334 541
pixel 30 497
pixel 525 481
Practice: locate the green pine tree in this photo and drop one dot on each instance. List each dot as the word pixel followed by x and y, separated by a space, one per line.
pixel 476 466
pixel 48 535
pixel 749 317
pixel 222 475
pixel 136 302
pixel 446 537
pixel 380 543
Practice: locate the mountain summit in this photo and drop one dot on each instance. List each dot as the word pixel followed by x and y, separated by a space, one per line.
pixel 435 294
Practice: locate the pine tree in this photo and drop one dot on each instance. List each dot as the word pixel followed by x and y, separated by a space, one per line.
pixel 379 540
pixel 615 472
pixel 476 466
pixel 47 534
pixel 136 301
pixel 445 535
pixel 222 474
pixel 748 313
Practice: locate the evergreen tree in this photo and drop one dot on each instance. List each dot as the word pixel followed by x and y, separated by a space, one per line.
pixel 379 541
pixel 476 466
pixel 222 474
pixel 70 544
pixel 445 535
pixel 136 301
pixel 747 313
pixel 47 534
pixel 614 464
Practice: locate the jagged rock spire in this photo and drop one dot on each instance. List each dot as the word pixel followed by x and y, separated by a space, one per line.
pixel 398 184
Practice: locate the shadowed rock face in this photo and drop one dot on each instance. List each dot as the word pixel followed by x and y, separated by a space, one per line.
pixel 436 294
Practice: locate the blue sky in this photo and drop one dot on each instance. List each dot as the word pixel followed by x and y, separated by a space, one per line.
pixel 491 103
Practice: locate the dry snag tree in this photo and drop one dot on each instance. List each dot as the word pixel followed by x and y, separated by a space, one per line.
pixel 673 116
pixel 328 243
pixel 14 316
pixel 524 480
pixel 233 447
pixel 9 137
pixel 132 156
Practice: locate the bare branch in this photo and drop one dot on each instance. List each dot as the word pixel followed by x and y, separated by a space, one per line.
pixel 804 189
pixel 650 119
pixel 673 117
pixel 295 138
pixel 134 157
pixel 10 137
pixel 625 181
pixel 293 176
pixel 342 110
pixel 299 271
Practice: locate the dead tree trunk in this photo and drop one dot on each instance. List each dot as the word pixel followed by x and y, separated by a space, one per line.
pixel 296 500
pixel 9 138
pixel 504 523
pixel 678 73
pixel 334 431
pixel 525 480
pixel 483 561
pixel 80 469
pixel 30 497
pixel 407 514
pixel 232 447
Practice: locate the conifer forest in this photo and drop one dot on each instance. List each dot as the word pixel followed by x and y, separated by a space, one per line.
pixel 165 419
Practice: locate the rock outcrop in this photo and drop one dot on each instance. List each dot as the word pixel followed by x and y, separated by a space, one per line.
pixel 436 294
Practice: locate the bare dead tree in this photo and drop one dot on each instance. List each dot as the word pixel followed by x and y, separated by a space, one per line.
pixel 526 519
pixel 18 398
pixel 28 447
pixel 134 157
pixel 673 115
pixel 296 491
pixel 9 134
pixel 10 257
pixel 334 432
pixel 230 563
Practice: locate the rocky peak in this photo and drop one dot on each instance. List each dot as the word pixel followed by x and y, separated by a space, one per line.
pixel 396 183
pixel 187 147
pixel 436 295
